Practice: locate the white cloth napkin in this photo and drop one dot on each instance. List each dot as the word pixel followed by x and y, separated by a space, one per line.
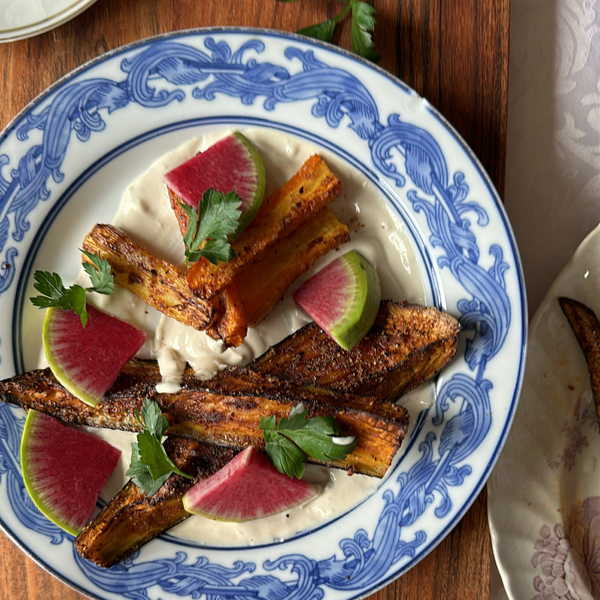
pixel 553 153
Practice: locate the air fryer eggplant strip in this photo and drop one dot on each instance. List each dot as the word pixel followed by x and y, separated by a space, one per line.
pixel 225 411
pixel 586 328
pixel 300 198
pixel 157 282
pixel 407 345
pixel 131 519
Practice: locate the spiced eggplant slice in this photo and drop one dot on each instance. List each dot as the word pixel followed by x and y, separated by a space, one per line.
pixel 299 199
pixel 586 327
pixel 407 345
pixel 157 282
pixel 226 410
pixel 131 519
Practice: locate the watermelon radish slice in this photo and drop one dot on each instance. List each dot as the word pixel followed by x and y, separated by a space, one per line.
pixel 248 487
pixel 64 470
pixel 343 298
pixel 86 360
pixel 233 164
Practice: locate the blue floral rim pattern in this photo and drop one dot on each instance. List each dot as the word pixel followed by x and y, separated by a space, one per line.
pixel 467 237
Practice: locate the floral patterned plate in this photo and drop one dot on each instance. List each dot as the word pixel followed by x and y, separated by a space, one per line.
pixel 544 494
pixel 64 162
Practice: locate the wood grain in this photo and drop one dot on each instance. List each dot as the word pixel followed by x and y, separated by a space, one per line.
pixel 454 53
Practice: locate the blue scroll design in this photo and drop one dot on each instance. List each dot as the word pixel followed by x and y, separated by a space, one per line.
pixel 167 71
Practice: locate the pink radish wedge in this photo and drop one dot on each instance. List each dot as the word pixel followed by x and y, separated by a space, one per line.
pixel 64 469
pixel 248 487
pixel 233 164
pixel 86 360
pixel 343 298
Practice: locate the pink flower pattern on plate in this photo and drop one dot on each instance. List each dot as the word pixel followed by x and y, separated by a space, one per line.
pixel 575 440
pixel 569 556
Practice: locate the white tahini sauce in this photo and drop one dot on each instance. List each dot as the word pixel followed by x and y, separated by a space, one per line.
pixel 146 216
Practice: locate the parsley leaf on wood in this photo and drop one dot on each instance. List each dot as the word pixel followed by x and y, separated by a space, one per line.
pixel 362 23
pixel 321 31
pixel 210 226
pixel 151 466
pixel 54 293
pixel 291 441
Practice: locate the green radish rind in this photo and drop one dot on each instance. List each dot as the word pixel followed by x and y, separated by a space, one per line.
pixel 361 316
pixel 130 341
pixel 54 364
pixel 249 212
pixel 28 432
pixel 362 290
pixel 35 421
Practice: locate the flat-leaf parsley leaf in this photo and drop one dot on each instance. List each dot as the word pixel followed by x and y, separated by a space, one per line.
pixel 291 441
pixel 54 293
pixel 210 226
pixel 151 466
pixel 362 24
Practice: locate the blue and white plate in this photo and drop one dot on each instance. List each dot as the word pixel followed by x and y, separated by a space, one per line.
pixel 97 126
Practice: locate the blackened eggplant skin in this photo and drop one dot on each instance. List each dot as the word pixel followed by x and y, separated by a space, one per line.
pixel 226 410
pixel 131 519
pixel 408 345
pixel 586 327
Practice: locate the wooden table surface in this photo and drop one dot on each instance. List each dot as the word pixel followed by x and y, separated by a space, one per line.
pixel 455 54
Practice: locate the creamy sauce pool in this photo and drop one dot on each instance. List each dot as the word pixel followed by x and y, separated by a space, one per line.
pixel 376 232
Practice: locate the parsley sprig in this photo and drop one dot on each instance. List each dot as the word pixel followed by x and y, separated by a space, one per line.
pixel 54 293
pixel 210 226
pixel 363 23
pixel 150 463
pixel 290 442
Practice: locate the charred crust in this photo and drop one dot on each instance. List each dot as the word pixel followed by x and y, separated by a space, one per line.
pixel 407 345
pixel 131 519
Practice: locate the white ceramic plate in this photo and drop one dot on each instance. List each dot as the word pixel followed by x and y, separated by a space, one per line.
pixel 99 127
pixel 21 19
pixel 544 494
